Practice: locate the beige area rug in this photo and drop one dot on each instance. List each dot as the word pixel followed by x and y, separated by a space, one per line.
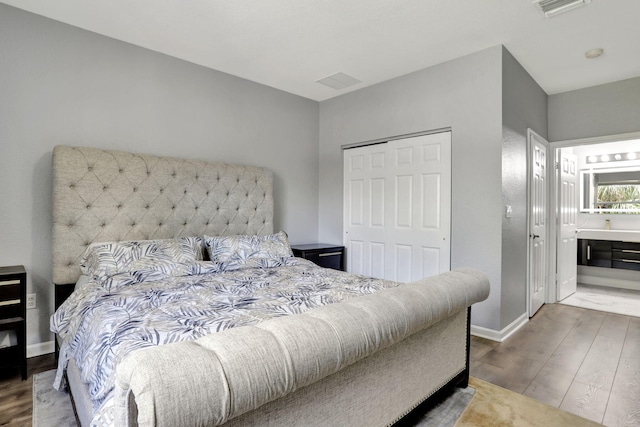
pixel 498 407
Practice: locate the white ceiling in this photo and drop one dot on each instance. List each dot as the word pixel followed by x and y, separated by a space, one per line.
pixel 289 44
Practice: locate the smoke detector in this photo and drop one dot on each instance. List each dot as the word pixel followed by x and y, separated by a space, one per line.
pixel 555 7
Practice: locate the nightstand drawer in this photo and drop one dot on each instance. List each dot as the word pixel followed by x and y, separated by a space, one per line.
pixel 10 309
pixel 328 256
pixel 10 301
pixel 13 314
pixel 9 292
pixel 327 260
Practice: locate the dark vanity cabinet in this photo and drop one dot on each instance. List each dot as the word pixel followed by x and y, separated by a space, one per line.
pixel 625 255
pixel 595 253
pixel 609 254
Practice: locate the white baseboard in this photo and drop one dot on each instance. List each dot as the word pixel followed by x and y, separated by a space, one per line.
pixel 39 349
pixel 502 335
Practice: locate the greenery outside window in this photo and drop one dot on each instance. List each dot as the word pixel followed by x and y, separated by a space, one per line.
pixel 615 190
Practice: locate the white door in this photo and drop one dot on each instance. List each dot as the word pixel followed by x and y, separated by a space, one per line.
pixel 567 215
pixel 537 222
pixel 365 200
pixel 397 217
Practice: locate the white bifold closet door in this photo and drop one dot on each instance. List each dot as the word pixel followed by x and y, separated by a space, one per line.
pixel 397 207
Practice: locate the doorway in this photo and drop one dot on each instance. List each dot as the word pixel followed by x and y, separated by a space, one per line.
pixel 606 289
pixel 538 258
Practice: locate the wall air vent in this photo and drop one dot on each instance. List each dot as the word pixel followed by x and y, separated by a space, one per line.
pixel 555 7
pixel 338 81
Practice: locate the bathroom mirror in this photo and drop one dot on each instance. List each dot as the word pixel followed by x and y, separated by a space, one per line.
pixel 614 190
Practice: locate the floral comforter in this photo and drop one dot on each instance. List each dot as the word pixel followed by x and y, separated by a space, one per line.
pixel 101 326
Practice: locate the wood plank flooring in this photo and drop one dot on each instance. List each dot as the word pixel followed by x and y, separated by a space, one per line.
pixel 16 404
pixel 582 361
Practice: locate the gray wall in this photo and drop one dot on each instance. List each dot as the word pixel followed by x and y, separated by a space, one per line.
pixel 524 105
pixel 608 109
pixel 63 85
pixel 464 94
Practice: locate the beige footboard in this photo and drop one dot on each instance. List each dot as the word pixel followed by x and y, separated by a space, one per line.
pixel 367 361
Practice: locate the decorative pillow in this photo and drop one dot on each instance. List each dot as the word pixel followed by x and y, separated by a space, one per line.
pixel 239 249
pixel 102 260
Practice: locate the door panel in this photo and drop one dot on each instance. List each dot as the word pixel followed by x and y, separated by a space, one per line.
pixel 398 226
pixel 567 218
pixel 537 222
pixel 430 190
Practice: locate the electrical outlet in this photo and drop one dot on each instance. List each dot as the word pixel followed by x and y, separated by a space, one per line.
pixel 31 300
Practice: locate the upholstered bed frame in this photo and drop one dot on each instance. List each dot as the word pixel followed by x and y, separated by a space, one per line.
pixel 103 195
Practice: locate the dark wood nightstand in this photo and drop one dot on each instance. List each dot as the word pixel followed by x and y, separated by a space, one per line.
pixel 329 256
pixel 13 313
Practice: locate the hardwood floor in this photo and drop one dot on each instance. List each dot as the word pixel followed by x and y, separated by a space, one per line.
pixel 583 361
pixel 16 403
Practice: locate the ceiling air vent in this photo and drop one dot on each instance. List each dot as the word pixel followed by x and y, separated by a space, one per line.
pixel 554 7
pixel 338 81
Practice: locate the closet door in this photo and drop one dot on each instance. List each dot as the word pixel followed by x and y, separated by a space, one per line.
pixel 397 207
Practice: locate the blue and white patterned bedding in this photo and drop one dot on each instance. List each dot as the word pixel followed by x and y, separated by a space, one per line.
pixel 100 325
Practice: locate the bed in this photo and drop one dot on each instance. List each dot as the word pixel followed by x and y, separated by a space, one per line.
pixel 141 241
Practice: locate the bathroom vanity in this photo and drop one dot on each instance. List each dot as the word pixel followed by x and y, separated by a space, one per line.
pixel 609 254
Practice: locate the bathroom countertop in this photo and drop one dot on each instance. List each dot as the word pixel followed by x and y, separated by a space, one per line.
pixel 601 234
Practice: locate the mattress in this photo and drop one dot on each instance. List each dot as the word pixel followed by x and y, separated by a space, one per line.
pixel 100 326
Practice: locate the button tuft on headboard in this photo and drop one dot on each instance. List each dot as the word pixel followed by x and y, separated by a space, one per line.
pixel 134 204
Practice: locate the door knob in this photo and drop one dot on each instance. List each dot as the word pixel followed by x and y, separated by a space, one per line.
pixel 535 236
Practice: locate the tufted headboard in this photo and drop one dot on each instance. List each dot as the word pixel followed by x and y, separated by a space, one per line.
pixel 104 195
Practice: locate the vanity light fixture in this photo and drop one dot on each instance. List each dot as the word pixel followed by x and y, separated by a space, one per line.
pixel 616 157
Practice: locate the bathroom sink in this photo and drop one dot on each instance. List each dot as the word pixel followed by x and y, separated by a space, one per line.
pixel 599 234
